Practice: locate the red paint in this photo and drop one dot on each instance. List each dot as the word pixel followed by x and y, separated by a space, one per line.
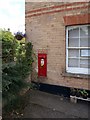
pixel 42 70
pixel 77 19
pixel 54 7
pixel 56 11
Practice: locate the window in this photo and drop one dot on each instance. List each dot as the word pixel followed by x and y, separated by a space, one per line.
pixel 78 49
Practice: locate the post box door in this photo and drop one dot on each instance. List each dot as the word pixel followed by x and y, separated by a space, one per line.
pixel 42 64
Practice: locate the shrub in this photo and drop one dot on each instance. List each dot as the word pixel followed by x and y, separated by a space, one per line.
pixel 16 65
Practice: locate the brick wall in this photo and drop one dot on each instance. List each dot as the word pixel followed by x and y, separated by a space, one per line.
pixel 45 28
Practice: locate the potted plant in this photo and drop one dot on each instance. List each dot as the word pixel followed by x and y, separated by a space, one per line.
pixel 84 94
pixel 19 35
pixel 78 94
pixel 73 91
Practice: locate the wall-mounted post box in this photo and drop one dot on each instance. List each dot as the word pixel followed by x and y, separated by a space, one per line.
pixel 42 64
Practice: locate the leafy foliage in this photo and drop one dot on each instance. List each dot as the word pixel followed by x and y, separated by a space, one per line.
pixel 17 64
pixel 7 44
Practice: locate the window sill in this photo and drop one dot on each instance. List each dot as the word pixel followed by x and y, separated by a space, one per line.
pixel 81 76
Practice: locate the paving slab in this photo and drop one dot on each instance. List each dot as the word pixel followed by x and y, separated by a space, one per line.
pixel 45 105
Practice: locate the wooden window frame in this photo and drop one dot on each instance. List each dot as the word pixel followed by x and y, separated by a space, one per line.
pixel 76 70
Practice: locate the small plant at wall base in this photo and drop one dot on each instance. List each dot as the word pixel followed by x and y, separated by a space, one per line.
pixel 73 91
pixel 79 93
pixel 84 94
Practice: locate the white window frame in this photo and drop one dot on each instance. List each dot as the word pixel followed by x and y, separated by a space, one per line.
pixel 75 70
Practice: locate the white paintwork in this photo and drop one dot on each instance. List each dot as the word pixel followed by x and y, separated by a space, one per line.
pixel 76 70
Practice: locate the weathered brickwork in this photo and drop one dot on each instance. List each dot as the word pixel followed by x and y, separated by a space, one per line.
pixel 45 28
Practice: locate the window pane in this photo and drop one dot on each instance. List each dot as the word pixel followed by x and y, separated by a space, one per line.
pixel 84 31
pixel 74 32
pixel 73 63
pixel 73 53
pixel 89 31
pixel 89 41
pixel 84 42
pixel 85 53
pixel 73 42
pixel 85 63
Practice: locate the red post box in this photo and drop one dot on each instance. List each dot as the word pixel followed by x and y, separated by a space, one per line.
pixel 42 64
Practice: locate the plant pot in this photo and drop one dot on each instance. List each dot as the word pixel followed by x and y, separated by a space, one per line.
pixel 84 96
pixel 78 94
pixel 73 93
pixel 89 96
